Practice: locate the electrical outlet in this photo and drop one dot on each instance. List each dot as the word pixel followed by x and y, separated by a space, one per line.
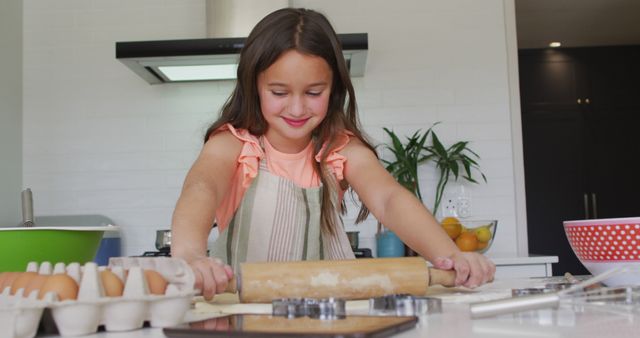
pixel 463 205
pixel 456 203
pixel 449 207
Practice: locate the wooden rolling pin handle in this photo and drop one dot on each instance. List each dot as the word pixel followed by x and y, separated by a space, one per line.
pixel 232 287
pixel 442 277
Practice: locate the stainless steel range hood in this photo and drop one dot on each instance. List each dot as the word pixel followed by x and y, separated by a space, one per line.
pixel 210 59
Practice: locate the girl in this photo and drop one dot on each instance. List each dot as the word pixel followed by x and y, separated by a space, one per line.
pixel 275 165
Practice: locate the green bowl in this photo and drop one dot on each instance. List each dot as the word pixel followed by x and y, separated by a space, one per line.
pixel 21 245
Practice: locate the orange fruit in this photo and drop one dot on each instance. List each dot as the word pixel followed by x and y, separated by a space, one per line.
pixel 467 241
pixel 482 245
pixel 452 229
pixel 451 226
pixel 450 220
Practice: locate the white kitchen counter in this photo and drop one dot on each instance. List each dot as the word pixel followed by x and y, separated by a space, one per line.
pixel 508 266
pixel 584 321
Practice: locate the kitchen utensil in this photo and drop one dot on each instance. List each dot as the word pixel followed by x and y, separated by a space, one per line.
pixel 263 282
pixel 21 245
pixel 575 293
pixel 330 309
pixel 261 326
pixel 325 309
pixel 353 239
pixel 163 240
pixel 404 305
pixel 549 287
pixel 27 208
pixel 603 244
pixel 293 307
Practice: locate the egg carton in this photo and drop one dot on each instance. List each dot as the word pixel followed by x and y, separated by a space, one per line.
pixel 20 315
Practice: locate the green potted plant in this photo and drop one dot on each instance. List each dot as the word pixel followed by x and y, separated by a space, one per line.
pixel 457 160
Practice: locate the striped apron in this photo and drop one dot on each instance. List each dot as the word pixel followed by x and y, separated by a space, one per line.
pixel 279 221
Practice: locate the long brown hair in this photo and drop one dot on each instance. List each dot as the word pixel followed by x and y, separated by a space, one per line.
pixel 308 32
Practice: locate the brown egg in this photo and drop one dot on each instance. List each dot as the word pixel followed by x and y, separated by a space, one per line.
pixel 8 279
pixel 157 283
pixel 64 286
pixel 113 286
pixel 36 283
pixel 22 281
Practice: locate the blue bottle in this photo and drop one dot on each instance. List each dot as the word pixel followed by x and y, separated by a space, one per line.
pixel 388 244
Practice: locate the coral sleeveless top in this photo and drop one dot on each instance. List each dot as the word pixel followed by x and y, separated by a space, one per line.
pixel 297 168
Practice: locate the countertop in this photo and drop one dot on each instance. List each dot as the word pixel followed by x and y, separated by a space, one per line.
pixel 514 260
pixel 571 319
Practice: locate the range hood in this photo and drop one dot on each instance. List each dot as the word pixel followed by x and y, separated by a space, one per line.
pixel 210 59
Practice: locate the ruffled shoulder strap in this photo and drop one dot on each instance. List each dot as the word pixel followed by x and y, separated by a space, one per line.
pixel 250 155
pixel 335 160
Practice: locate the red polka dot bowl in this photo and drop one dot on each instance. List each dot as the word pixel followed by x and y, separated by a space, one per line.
pixel 604 244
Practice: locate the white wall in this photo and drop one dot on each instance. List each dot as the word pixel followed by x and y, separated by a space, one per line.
pixel 443 61
pixel 10 111
pixel 98 139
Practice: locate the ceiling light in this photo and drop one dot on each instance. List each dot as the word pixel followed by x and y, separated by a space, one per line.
pixel 555 44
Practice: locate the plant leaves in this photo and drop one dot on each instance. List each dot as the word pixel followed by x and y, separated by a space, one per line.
pixel 438 147
pixel 417 150
pixel 457 147
pixel 467 158
pixel 454 169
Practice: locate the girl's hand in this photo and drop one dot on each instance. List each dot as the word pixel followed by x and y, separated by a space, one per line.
pixel 472 269
pixel 212 275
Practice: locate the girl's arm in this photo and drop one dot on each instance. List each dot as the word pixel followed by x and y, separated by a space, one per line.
pixel 399 210
pixel 206 183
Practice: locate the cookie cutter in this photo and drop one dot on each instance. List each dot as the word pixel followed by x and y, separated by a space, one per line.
pixel 629 295
pixel 325 309
pixel 289 307
pixel 404 305
pixel 549 287
pixel 330 308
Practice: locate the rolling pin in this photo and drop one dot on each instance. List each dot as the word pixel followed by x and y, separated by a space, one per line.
pixel 263 282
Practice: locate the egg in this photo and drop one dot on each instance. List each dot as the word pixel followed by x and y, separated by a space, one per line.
pixel 21 282
pixel 112 284
pixel 8 279
pixel 64 286
pixel 157 283
pixel 35 284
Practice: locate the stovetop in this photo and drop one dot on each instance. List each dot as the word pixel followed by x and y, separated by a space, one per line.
pixel 160 253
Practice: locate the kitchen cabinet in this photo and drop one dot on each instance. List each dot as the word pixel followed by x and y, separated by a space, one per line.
pixel 580 119
pixel 586 77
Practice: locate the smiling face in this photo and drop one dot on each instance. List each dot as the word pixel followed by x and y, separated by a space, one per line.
pixel 294 97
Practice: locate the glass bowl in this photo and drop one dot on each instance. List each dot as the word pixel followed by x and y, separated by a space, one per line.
pixel 470 235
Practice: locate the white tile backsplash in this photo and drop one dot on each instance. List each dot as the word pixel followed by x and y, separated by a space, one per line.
pixel 98 139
